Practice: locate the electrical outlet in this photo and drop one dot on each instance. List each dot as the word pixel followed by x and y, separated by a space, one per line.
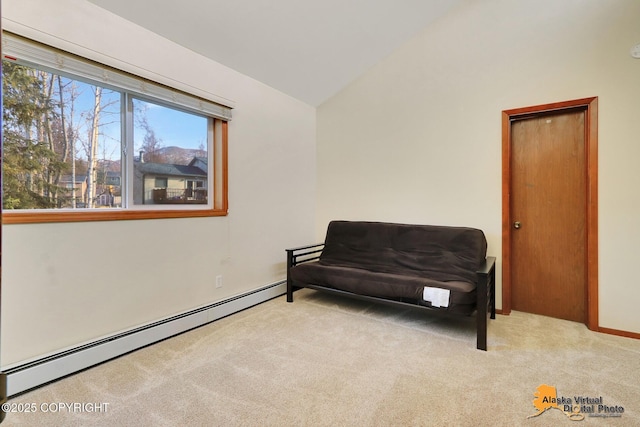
pixel 219 281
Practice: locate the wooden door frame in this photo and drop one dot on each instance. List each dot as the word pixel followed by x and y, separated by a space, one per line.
pixel 590 107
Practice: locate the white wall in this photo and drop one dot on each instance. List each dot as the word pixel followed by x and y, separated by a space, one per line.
pixel 418 137
pixel 65 284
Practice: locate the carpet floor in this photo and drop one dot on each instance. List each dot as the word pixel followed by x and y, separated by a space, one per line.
pixel 331 361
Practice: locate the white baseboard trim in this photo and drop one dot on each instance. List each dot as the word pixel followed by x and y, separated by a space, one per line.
pixel 33 374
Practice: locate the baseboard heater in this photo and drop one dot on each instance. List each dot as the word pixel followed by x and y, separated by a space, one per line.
pixel 33 374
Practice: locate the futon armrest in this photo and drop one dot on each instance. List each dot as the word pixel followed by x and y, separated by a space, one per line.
pixel 302 254
pixel 297 256
pixel 487 266
pixel 304 247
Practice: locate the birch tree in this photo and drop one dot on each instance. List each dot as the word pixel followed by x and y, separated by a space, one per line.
pixel 93 148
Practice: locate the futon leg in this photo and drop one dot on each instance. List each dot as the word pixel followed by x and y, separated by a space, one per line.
pixel 289 290
pixel 482 313
pixel 289 281
pixel 482 330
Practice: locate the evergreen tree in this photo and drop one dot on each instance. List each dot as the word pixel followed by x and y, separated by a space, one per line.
pixel 29 159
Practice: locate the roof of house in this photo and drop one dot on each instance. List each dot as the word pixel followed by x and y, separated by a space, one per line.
pixel 169 169
pixel 198 159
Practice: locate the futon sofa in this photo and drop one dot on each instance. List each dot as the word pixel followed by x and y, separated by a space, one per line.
pixel 439 268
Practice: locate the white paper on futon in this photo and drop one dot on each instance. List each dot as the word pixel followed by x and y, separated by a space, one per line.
pixel 437 296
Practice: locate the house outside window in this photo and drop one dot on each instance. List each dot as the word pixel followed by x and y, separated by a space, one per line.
pixel 175 186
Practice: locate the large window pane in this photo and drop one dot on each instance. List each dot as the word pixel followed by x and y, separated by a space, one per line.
pixel 170 155
pixel 61 142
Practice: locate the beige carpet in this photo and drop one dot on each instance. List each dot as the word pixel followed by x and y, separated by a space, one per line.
pixel 328 361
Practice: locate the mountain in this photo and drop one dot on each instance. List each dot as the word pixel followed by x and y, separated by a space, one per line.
pixel 174 155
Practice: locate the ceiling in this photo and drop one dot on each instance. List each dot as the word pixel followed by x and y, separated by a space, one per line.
pixel 307 49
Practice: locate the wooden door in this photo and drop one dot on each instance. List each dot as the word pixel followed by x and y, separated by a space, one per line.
pixel 548 211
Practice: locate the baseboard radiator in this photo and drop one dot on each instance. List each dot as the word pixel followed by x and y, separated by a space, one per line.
pixel 35 373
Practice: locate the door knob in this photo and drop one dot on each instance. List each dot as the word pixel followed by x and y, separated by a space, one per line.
pixel 516 225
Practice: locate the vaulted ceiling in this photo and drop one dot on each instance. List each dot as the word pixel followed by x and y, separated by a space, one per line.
pixel 307 49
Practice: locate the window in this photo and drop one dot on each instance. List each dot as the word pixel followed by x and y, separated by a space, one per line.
pixel 85 142
pixel 172 151
pixel 161 182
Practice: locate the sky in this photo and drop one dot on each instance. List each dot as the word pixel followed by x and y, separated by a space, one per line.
pixel 174 127
pixel 171 126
